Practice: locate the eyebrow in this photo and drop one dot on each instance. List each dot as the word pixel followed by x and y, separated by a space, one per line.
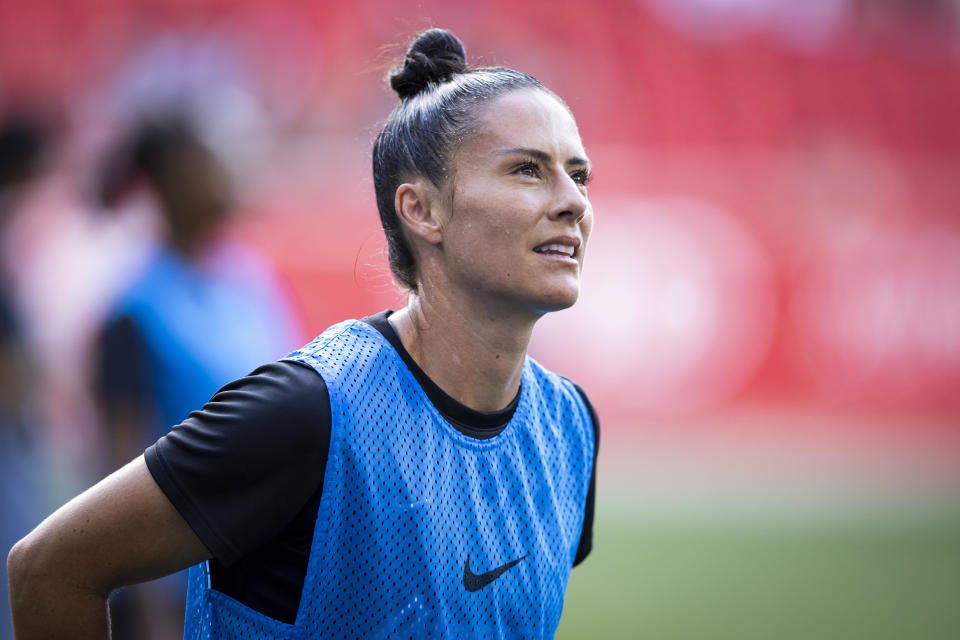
pixel 542 156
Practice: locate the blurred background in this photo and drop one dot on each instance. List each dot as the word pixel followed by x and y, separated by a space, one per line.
pixel 770 320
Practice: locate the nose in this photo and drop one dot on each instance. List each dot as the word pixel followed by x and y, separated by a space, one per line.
pixel 570 200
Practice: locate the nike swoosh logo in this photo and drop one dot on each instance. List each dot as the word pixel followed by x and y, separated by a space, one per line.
pixel 475 582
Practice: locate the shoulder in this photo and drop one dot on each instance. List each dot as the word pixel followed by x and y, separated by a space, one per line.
pixel 338 347
pixel 280 381
pixel 278 404
pixel 245 464
pixel 278 413
pixel 586 401
pixel 151 275
pixel 591 411
pixel 569 389
pixel 565 390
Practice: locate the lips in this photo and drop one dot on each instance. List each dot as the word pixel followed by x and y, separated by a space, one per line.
pixel 562 246
pixel 565 249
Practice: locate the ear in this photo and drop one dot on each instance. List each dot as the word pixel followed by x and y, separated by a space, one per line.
pixel 415 203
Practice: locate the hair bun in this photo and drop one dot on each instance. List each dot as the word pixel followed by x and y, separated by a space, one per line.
pixel 434 56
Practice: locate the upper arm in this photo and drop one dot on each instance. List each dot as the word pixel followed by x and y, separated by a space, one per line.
pixel 121 531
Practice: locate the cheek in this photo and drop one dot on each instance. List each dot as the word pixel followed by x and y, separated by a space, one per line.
pixel 586 227
pixel 491 241
pixel 493 217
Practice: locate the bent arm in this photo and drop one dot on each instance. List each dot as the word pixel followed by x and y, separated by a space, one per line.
pixel 121 531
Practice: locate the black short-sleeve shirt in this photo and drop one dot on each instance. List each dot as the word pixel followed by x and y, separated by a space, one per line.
pixel 246 473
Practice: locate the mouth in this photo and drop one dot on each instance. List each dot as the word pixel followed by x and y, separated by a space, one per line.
pixel 564 249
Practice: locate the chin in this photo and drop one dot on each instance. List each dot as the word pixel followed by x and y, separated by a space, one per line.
pixel 558 300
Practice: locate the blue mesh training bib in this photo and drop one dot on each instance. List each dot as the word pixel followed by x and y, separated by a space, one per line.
pixel 423 532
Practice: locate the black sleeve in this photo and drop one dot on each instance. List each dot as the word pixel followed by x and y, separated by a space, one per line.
pixel 243 467
pixel 121 355
pixel 586 535
pixel 8 320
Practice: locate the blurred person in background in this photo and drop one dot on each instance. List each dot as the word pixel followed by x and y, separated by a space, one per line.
pixel 201 312
pixel 23 144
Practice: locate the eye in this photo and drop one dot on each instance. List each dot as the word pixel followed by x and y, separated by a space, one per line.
pixel 581 177
pixel 529 169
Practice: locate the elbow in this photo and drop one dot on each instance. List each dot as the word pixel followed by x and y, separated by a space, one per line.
pixel 24 568
pixel 18 572
pixel 33 572
pixel 17 561
pixel 33 579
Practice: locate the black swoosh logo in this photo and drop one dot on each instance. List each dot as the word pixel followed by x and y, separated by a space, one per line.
pixel 475 582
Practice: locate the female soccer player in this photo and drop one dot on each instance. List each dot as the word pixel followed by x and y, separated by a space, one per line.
pixel 412 474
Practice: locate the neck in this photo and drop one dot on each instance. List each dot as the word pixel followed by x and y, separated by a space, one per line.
pixel 474 357
pixel 192 245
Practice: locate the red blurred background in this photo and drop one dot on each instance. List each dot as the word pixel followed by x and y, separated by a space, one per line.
pixel 770 318
pixel 776 261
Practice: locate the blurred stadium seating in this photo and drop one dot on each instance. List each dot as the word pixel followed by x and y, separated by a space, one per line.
pixel 770 323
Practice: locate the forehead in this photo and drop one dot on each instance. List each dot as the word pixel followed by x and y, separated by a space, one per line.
pixel 527 118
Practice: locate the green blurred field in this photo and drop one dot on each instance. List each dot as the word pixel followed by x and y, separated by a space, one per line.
pixel 877 578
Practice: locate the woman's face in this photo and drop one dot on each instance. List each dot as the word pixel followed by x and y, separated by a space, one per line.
pixel 517 218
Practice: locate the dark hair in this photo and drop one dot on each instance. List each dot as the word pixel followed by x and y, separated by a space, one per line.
pixel 23 141
pixel 438 97
pixel 148 149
